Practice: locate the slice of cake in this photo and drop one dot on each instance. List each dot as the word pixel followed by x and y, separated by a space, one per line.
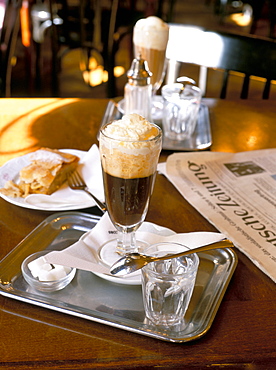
pixel 45 174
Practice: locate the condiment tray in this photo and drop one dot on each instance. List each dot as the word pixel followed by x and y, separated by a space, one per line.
pixel 200 140
pixel 92 298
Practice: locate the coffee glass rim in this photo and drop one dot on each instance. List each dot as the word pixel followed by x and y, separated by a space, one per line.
pixel 155 138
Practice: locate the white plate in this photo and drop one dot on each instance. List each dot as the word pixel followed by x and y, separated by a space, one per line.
pixel 10 171
pixel 108 257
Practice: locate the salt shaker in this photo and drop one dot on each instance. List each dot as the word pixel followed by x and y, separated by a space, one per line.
pixel 138 90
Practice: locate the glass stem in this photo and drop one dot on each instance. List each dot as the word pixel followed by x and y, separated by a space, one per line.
pixel 126 242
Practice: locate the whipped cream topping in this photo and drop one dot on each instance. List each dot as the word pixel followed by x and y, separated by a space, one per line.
pixel 132 127
pixel 130 147
pixel 151 33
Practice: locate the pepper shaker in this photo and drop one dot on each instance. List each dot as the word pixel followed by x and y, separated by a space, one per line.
pixel 138 90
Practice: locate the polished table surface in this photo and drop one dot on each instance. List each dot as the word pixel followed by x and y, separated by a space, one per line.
pixel 243 334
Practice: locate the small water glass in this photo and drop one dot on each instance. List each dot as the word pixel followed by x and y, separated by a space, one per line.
pixel 180 110
pixel 168 285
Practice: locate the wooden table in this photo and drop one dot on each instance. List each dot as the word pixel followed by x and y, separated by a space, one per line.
pixel 243 334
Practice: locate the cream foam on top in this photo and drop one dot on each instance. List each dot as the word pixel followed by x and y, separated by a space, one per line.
pixel 151 33
pixel 132 127
pixel 130 147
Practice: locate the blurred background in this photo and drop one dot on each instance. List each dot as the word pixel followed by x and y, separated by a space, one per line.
pixel 54 61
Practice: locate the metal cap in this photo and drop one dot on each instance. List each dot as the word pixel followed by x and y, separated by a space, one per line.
pixel 139 73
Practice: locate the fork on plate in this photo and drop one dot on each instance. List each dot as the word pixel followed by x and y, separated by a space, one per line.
pixel 76 182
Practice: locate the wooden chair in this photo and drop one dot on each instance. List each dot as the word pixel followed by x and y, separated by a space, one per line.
pixel 8 40
pixel 249 55
pixel 89 25
pixel 94 26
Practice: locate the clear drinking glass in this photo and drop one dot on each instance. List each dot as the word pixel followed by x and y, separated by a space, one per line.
pixel 180 110
pixel 129 168
pixel 168 285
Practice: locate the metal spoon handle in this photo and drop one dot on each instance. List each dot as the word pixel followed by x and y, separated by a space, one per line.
pixel 221 244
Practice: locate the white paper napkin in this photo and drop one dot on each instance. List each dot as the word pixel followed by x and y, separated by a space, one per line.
pixel 90 169
pixel 85 253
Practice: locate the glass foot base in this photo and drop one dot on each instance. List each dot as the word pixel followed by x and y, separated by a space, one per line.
pixel 108 253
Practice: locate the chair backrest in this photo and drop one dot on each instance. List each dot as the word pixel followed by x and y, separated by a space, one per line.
pixel 8 38
pixel 95 26
pixel 249 55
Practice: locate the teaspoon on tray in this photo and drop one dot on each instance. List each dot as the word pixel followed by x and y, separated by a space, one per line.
pixel 134 261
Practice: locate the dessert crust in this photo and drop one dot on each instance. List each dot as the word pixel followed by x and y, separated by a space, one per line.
pixel 44 175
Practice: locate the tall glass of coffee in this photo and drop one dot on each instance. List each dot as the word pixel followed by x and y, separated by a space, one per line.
pixel 150 38
pixel 129 150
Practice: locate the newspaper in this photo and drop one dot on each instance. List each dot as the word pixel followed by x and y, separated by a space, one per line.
pixel 236 192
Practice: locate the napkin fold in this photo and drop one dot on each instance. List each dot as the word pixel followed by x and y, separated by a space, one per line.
pixel 90 169
pixel 86 254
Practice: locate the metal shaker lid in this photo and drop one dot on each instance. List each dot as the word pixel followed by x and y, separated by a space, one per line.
pixel 139 73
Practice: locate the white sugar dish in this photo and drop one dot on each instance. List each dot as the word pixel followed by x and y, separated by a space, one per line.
pixel 44 276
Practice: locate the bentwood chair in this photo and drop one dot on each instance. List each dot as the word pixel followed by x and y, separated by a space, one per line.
pixel 246 54
pixel 96 27
pixel 8 39
pixel 91 25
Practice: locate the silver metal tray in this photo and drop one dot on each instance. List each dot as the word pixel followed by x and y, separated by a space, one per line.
pixel 200 140
pixel 96 299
